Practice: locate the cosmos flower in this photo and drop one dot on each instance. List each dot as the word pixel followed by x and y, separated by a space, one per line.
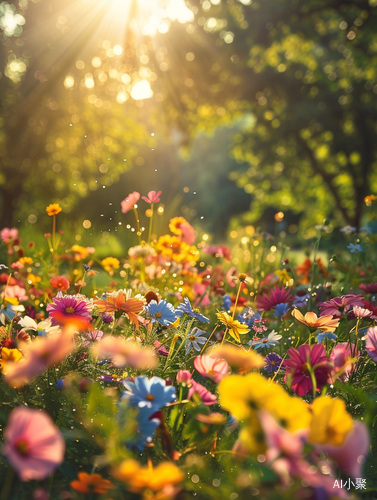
pixel 130 201
pixel 33 445
pixel 60 282
pixel 148 393
pixel 338 305
pixel 53 209
pixel 235 328
pixel 68 307
pixel 215 369
pixel 195 340
pixel 274 362
pixel 152 197
pixel 348 229
pixel 91 483
pixel 311 320
pixel 297 368
pixel 360 312
pixel 371 342
pixel 277 296
pixel 163 312
pixel 42 328
pixel 272 340
pixel 125 352
pixel 205 395
pixel 355 248
pixel 186 308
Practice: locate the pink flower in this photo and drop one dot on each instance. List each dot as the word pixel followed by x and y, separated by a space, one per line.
pixel 371 288
pixel 188 233
pixel 340 356
pixel 351 454
pixel 297 368
pixel 277 296
pixel 15 291
pixel 7 234
pixel 130 201
pixel 66 307
pixel 92 336
pixel 214 368
pixel 184 377
pixel 40 354
pixel 205 395
pixel 371 342
pixel 335 307
pixel 161 349
pixel 125 352
pixel 33 445
pixel 153 197
pixel 17 265
pixel 218 251
pixel 360 312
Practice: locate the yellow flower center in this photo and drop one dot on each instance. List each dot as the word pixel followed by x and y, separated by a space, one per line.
pixel 305 367
pixel 69 310
pixel 150 397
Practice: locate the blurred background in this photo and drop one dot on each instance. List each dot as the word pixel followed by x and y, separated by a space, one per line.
pixel 260 113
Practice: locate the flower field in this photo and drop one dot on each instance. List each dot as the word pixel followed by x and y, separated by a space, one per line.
pixel 186 370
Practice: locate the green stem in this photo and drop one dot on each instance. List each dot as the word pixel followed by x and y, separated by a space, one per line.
pixel 150 225
pixel 53 231
pixel 7 484
pixel 137 223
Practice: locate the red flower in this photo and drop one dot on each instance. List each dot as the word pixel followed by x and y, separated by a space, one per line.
pixel 277 296
pixel 60 283
pixel 301 360
pixel 371 288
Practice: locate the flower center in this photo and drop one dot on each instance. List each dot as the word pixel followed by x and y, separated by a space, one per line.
pixel 305 367
pixel 69 310
pixel 158 315
pixel 192 338
pixel 149 397
pixel 272 363
pixel 22 447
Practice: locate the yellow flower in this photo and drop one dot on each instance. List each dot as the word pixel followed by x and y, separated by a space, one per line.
pixel 252 437
pixel 9 356
pixel 330 422
pixel 140 479
pixel 110 264
pixel 283 276
pixel 25 260
pixel 176 249
pixel 53 209
pixel 80 252
pixel 289 412
pixel 243 396
pixel 235 328
pixel 32 279
pixel 238 358
pixel 175 225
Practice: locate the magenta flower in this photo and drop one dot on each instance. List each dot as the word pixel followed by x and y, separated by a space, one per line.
pixel 7 234
pixel 130 201
pixel 277 296
pixel 152 197
pixel 371 288
pixel 205 395
pixel 218 251
pixel 214 368
pixel 33 445
pixel 65 307
pixel 335 307
pixel 184 377
pixel 301 360
pixel 371 342
pixel 340 356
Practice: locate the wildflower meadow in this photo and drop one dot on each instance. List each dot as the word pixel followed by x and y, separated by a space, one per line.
pixel 174 373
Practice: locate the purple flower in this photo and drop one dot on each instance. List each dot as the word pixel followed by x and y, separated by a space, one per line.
pixel 68 306
pixel 371 342
pixel 273 363
pixel 107 318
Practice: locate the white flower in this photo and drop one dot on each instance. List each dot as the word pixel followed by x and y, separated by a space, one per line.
pixel 28 323
pixel 348 229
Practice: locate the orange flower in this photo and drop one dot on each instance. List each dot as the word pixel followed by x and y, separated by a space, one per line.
pixel 324 323
pixel 53 209
pixel 91 484
pixel 238 358
pixel 119 301
pixel 368 199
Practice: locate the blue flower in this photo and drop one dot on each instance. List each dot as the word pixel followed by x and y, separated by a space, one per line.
pixel 355 248
pixel 146 429
pixel 281 310
pixel 248 316
pixel 163 312
pixel 301 300
pixel 194 340
pixel 366 231
pixel 326 335
pixel 148 393
pixel 59 384
pixel 186 308
pixel 227 301
pixel 273 363
pixel 272 340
